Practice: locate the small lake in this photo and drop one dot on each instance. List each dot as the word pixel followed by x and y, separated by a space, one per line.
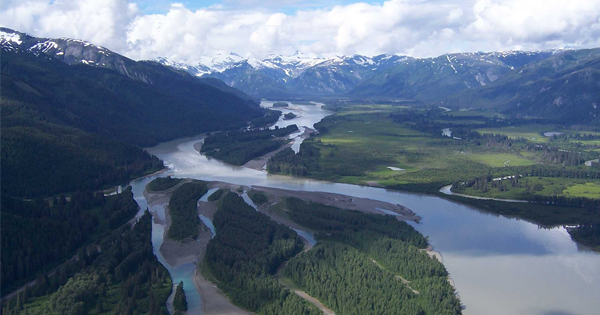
pixel 552 134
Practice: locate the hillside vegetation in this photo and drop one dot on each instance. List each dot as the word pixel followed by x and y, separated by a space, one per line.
pixel 118 274
pixel 39 234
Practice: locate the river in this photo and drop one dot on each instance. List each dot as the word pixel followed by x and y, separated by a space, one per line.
pixel 499 265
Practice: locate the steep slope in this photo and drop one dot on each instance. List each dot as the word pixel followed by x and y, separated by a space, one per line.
pixel 388 76
pixel 72 127
pixel 257 82
pixel 430 79
pixel 102 101
pixel 74 51
pixel 337 75
pixel 564 86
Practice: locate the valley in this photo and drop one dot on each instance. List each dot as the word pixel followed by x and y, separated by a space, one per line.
pixel 489 238
pixel 341 195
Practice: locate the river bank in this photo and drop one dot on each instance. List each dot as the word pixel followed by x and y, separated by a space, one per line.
pixel 345 202
pixel 482 250
pixel 178 254
pixel 446 190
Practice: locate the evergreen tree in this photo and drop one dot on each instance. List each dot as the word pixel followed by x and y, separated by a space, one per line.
pixel 179 301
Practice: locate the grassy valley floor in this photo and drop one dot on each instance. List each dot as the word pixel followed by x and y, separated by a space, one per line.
pixel 422 150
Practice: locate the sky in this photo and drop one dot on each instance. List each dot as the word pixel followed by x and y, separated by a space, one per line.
pixel 186 30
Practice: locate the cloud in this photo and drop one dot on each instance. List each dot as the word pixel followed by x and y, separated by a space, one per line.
pixel 101 22
pixel 412 27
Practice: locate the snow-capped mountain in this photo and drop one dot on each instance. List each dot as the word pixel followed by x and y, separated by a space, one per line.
pixel 298 75
pixel 70 51
pixel 204 65
pixel 382 75
pixel 291 65
pixel 74 51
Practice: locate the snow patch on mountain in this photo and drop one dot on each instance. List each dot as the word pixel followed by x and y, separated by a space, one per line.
pixel 10 37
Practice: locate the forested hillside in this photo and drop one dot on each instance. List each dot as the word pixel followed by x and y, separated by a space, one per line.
pixel 107 103
pixel 118 274
pixel 43 159
pixel 38 234
pixel 72 127
pixel 564 86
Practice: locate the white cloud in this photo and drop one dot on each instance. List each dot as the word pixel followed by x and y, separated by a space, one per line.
pixel 413 27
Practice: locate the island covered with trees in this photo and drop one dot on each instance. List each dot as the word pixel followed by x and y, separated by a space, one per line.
pixel 243 258
pixel 373 256
pixel 289 116
pixel 240 146
pixel 280 104
pixel 182 209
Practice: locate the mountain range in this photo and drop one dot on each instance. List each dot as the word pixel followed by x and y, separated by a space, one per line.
pixel 558 84
pixel 360 76
pixel 528 83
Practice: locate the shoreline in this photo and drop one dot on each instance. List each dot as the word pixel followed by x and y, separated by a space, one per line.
pixel 177 253
pixel 437 255
pixel 366 205
pixel 446 191
pixel 214 301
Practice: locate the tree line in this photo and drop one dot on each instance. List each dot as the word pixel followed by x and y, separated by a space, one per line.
pixel 288 162
pixel 241 146
pixel 118 274
pixel 183 210
pixel 37 234
pixel 359 257
pixel 244 256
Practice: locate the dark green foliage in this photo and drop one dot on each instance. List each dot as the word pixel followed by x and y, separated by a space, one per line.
pixel 240 153
pixel 239 147
pixel 327 220
pixel 381 249
pixel 289 163
pixel 41 159
pixel 271 117
pixel 179 301
pixel 258 197
pixel 161 105
pixel 245 254
pixel 163 183
pixel 544 214
pixel 182 209
pixel 350 282
pixel 221 139
pixel 289 115
pixel 217 195
pixel 37 235
pixel 588 235
pixel 280 104
pixel 122 278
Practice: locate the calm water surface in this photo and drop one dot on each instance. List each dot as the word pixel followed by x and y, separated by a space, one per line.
pixel 499 265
